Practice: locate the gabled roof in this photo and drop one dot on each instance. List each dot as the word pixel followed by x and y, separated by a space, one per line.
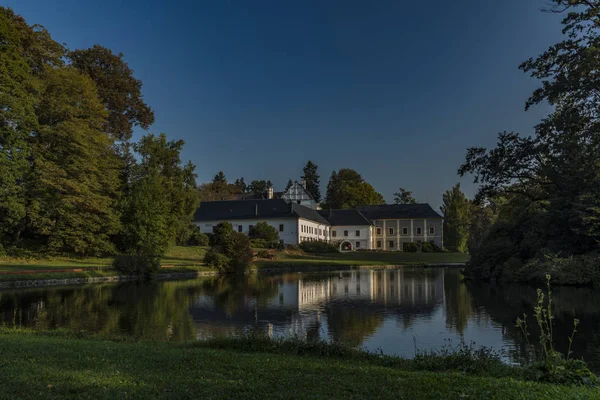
pixel 399 211
pixel 297 192
pixel 254 209
pixel 345 217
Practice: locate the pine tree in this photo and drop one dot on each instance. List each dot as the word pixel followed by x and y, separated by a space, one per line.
pixel 312 179
pixel 289 185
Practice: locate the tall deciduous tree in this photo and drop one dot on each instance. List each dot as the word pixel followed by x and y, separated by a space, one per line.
pixel 258 187
pixel 348 189
pixel 403 196
pixel 551 179
pixel 119 90
pixel 456 208
pixel 76 170
pixel 312 179
pixel 163 197
pixel 241 185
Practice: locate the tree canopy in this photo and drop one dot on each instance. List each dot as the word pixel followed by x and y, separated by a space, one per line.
pixel 348 189
pixel 312 180
pixel 551 178
pixel 403 196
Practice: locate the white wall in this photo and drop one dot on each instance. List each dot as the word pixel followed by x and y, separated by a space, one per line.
pixel 309 231
pixel 289 234
pixel 365 237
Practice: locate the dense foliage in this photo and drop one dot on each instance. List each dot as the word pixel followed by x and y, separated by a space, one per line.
pixel 69 179
pixel 262 230
pixel 456 208
pixel 348 189
pixel 230 251
pixel 404 196
pixel 318 247
pixel 550 181
pixel 312 179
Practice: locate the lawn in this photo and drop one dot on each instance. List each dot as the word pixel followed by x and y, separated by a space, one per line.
pixel 363 258
pixel 179 259
pixel 61 367
pixel 191 258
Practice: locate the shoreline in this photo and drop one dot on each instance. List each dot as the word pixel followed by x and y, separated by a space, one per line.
pixel 65 281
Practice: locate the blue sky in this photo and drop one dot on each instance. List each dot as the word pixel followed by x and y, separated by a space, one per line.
pixel 393 89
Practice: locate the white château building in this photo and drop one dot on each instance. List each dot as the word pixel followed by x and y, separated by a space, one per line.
pixel 297 218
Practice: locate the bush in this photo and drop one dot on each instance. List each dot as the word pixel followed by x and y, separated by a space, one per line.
pixel 197 238
pixel 264 231
pixel 318 247
pixel 263 244
pixel 140 265
pixel 216 260
pixel 292 247
pixel 410 247
pixel 230 251
pixel 427 248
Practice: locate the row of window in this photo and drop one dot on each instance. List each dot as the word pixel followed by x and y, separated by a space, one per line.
pixel 334 233
pixel 312 230
pixel 241 228
pixel 419 231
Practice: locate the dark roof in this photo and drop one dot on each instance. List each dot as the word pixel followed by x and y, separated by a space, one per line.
pixel 344 217
pixel 398 211
pixel 248 209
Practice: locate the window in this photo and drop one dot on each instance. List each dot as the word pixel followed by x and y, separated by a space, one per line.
pixel 379 244
pixel 333 233
pixel 240 228
pixel 419 231
pixel 391 244
pixel 357 245
pixel 345 233
pixel 379 231
pixel 432 230
pixel 357 233
pixel 391 231
pixel 280 227
pixel 405 231
pixel 320 231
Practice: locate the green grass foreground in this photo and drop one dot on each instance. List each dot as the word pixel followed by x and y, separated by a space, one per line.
pixel 56 365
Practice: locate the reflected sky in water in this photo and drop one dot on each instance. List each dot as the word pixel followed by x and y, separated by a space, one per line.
pixel 379 310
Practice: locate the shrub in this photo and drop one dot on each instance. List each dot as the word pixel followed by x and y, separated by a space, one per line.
pixel 136 264
pixel 292 247
pixel 230 251
pixel 427 248
pixel 197 238
pixel 318 247
pixel 216 260
pixel 263 244
pixel 410 247
pixel 556 367
pixel 264 231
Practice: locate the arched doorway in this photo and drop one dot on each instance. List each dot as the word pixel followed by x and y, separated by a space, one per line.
pixel 345 246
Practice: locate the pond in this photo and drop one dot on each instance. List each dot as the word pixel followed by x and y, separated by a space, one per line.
pixel 393 311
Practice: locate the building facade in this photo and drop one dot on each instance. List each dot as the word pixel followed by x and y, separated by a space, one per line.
pixel 382 227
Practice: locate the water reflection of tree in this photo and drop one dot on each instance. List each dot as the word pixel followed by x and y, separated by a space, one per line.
pixel 149 310
pixel 457 302
pixel 505 303
pixel 234 293
pixel 351 326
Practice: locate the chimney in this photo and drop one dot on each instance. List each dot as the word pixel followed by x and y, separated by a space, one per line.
pixel 270 192
pixel 256 209
pixel 303 183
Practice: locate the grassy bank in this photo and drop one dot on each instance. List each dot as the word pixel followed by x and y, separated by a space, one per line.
pixel 362 258
pixel 191 259
pixel 179 259
pixel 59 366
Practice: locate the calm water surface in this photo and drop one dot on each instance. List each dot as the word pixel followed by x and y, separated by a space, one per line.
pixel 384 310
